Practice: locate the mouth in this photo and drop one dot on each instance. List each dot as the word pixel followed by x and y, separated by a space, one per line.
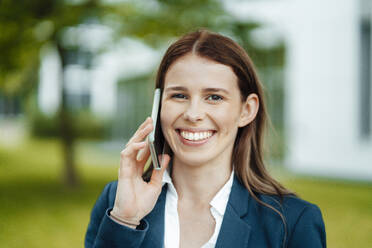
pixel 193 137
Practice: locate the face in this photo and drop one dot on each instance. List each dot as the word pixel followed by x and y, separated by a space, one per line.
pixel 201 110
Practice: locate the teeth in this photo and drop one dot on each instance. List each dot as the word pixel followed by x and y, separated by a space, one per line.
pixel 196 135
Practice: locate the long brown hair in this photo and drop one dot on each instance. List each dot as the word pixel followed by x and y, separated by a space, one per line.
pixel 247 157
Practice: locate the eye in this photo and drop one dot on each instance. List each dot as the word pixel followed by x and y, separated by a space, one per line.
pixel 214 98
pixel 179 96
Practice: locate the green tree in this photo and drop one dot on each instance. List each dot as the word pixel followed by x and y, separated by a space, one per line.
pixel 27 25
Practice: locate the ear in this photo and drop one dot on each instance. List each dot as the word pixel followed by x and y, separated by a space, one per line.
pixel 249 110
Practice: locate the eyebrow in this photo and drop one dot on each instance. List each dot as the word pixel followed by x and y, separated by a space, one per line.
pixel 216 90
pixel 176 88
pixel 181 88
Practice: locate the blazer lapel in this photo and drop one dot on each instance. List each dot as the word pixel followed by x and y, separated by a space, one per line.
pixel 235 232
pixel 155 235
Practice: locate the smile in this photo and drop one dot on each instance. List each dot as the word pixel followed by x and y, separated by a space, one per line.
pixel 190 137
pixel 194 136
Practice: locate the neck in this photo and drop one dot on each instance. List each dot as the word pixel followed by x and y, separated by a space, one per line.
pixel 199 184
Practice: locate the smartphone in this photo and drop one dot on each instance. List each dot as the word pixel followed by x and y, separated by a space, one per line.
pixel 153 139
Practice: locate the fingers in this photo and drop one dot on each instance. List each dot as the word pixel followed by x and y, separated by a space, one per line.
pixel 147 121
pixel 143 153
pixel 142 157
pixel 132 149
pixel 144 129
pixel 157 175
pixel 136 152
pixel 128 163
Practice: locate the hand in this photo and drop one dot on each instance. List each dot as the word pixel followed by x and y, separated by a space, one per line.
pixel 135 198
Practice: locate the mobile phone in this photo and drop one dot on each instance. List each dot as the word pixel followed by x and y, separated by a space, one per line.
pixel 154 143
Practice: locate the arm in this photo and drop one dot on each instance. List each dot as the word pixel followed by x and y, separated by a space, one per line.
pixel 105 232
pixel 309 230
pixel 134 198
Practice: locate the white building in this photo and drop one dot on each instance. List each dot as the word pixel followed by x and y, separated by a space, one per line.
pixel 328 91
pixel 94 88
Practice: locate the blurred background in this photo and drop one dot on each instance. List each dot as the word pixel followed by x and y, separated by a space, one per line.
pixel 77 77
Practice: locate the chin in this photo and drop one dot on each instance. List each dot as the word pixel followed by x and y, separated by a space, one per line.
pixel 193 160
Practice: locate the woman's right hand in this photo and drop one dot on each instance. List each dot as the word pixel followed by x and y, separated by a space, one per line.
pixel 135 198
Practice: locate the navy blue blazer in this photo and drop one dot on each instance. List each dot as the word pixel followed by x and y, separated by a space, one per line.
pixel 246 223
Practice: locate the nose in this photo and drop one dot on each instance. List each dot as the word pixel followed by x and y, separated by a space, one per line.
pixel 194 112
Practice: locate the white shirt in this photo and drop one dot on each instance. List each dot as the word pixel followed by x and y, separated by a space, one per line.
pixel 171 222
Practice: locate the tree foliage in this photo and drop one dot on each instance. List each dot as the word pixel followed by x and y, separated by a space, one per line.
pixel 25 26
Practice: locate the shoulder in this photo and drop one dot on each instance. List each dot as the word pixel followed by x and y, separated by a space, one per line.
pixel 109 192
pixel 102 231
pixel 290 206
pixel 110 187
pixel 271 211
pixel 103 202
pixel 278 220
pixel 302 220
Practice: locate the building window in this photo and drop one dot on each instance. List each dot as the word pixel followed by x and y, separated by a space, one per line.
pixel 78 101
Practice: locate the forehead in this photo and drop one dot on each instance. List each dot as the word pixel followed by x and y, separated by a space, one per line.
pixel 195 71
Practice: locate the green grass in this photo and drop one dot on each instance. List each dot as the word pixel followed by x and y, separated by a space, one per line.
pixel 346 208
pixel 37 210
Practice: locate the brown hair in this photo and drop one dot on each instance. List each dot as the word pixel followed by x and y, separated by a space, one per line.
pixel 247 156
pixel 248 148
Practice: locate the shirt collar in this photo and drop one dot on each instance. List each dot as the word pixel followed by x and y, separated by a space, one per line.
pixel 166 177
pixel 168 180
pixel 218 202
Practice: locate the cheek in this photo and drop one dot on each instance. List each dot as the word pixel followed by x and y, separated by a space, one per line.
pixel 227 119
pixel 167 113
pixel 168 116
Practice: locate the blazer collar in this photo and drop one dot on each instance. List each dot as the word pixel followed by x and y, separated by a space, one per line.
pixel 239 198
pixel 233 230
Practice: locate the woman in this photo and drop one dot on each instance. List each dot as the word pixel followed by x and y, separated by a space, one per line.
pixel 216 192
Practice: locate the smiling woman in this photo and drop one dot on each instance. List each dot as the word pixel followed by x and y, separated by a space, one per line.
pixel 202 96
pixel 216 191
